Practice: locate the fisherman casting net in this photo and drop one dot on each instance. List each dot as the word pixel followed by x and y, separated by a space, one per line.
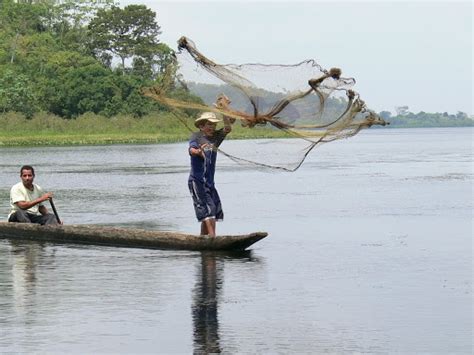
pixel 303 105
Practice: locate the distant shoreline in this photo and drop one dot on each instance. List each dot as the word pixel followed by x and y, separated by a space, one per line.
pixel 91 129
pixel 421 125
pixel 46 140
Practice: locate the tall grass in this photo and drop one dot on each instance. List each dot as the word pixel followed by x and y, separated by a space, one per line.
pixel 88 129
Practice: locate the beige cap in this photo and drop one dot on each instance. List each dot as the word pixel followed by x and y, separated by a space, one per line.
pixel 206 116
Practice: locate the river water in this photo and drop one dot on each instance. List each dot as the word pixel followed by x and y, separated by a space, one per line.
pixel 369 250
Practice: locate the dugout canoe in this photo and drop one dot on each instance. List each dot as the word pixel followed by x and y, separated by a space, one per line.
pixel 125 237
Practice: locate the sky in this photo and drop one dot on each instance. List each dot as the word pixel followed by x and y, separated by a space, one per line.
pixel 401 53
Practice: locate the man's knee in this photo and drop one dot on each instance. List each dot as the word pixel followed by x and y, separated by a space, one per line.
pixel 20 216
pixel 49 219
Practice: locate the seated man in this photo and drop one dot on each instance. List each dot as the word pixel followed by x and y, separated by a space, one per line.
pixel 26 200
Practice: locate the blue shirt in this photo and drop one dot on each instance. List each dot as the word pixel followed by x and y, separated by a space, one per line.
pixel 203 169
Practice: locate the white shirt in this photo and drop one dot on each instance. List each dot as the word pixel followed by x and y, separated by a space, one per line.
pixel 20 193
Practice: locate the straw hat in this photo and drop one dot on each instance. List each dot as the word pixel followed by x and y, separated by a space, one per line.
pixel 206 116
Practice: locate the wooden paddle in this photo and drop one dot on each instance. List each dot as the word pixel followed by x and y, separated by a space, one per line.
pixel 54 210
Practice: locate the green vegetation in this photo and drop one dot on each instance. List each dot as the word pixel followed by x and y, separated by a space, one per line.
pixel 57 57
pixel 88 129
pixel 422 119
pixel 59 86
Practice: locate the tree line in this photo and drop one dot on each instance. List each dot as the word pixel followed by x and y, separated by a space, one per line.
pixel 405 118
pixel 58 57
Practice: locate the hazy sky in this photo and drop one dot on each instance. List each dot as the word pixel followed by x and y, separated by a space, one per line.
pixel 413 53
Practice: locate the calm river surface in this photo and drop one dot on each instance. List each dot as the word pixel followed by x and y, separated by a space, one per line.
pixel 369 250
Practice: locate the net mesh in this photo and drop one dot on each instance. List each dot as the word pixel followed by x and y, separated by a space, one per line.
pixel 300 106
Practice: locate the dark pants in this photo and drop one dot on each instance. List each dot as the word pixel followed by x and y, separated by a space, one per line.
pixel 206 200
pixel 22 216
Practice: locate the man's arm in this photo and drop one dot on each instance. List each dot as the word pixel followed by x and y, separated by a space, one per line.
pixel 223 103
pixel 43 210
pixel 227 124
pixel 195 149
pixel 24 205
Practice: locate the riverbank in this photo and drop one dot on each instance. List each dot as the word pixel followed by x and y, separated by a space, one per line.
pixel 91 129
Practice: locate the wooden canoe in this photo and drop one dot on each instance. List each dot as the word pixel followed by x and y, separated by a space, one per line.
pixel 125 237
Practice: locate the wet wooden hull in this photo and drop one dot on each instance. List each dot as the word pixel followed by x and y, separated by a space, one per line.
pixel 125 237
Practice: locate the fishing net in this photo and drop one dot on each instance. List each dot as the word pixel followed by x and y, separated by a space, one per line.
pixel 288 110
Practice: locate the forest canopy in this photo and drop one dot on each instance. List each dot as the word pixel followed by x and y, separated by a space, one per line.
pixel 71 58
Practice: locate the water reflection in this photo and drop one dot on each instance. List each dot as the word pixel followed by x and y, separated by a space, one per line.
pixel 209 282
pixel 204 309
pixel 24 261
